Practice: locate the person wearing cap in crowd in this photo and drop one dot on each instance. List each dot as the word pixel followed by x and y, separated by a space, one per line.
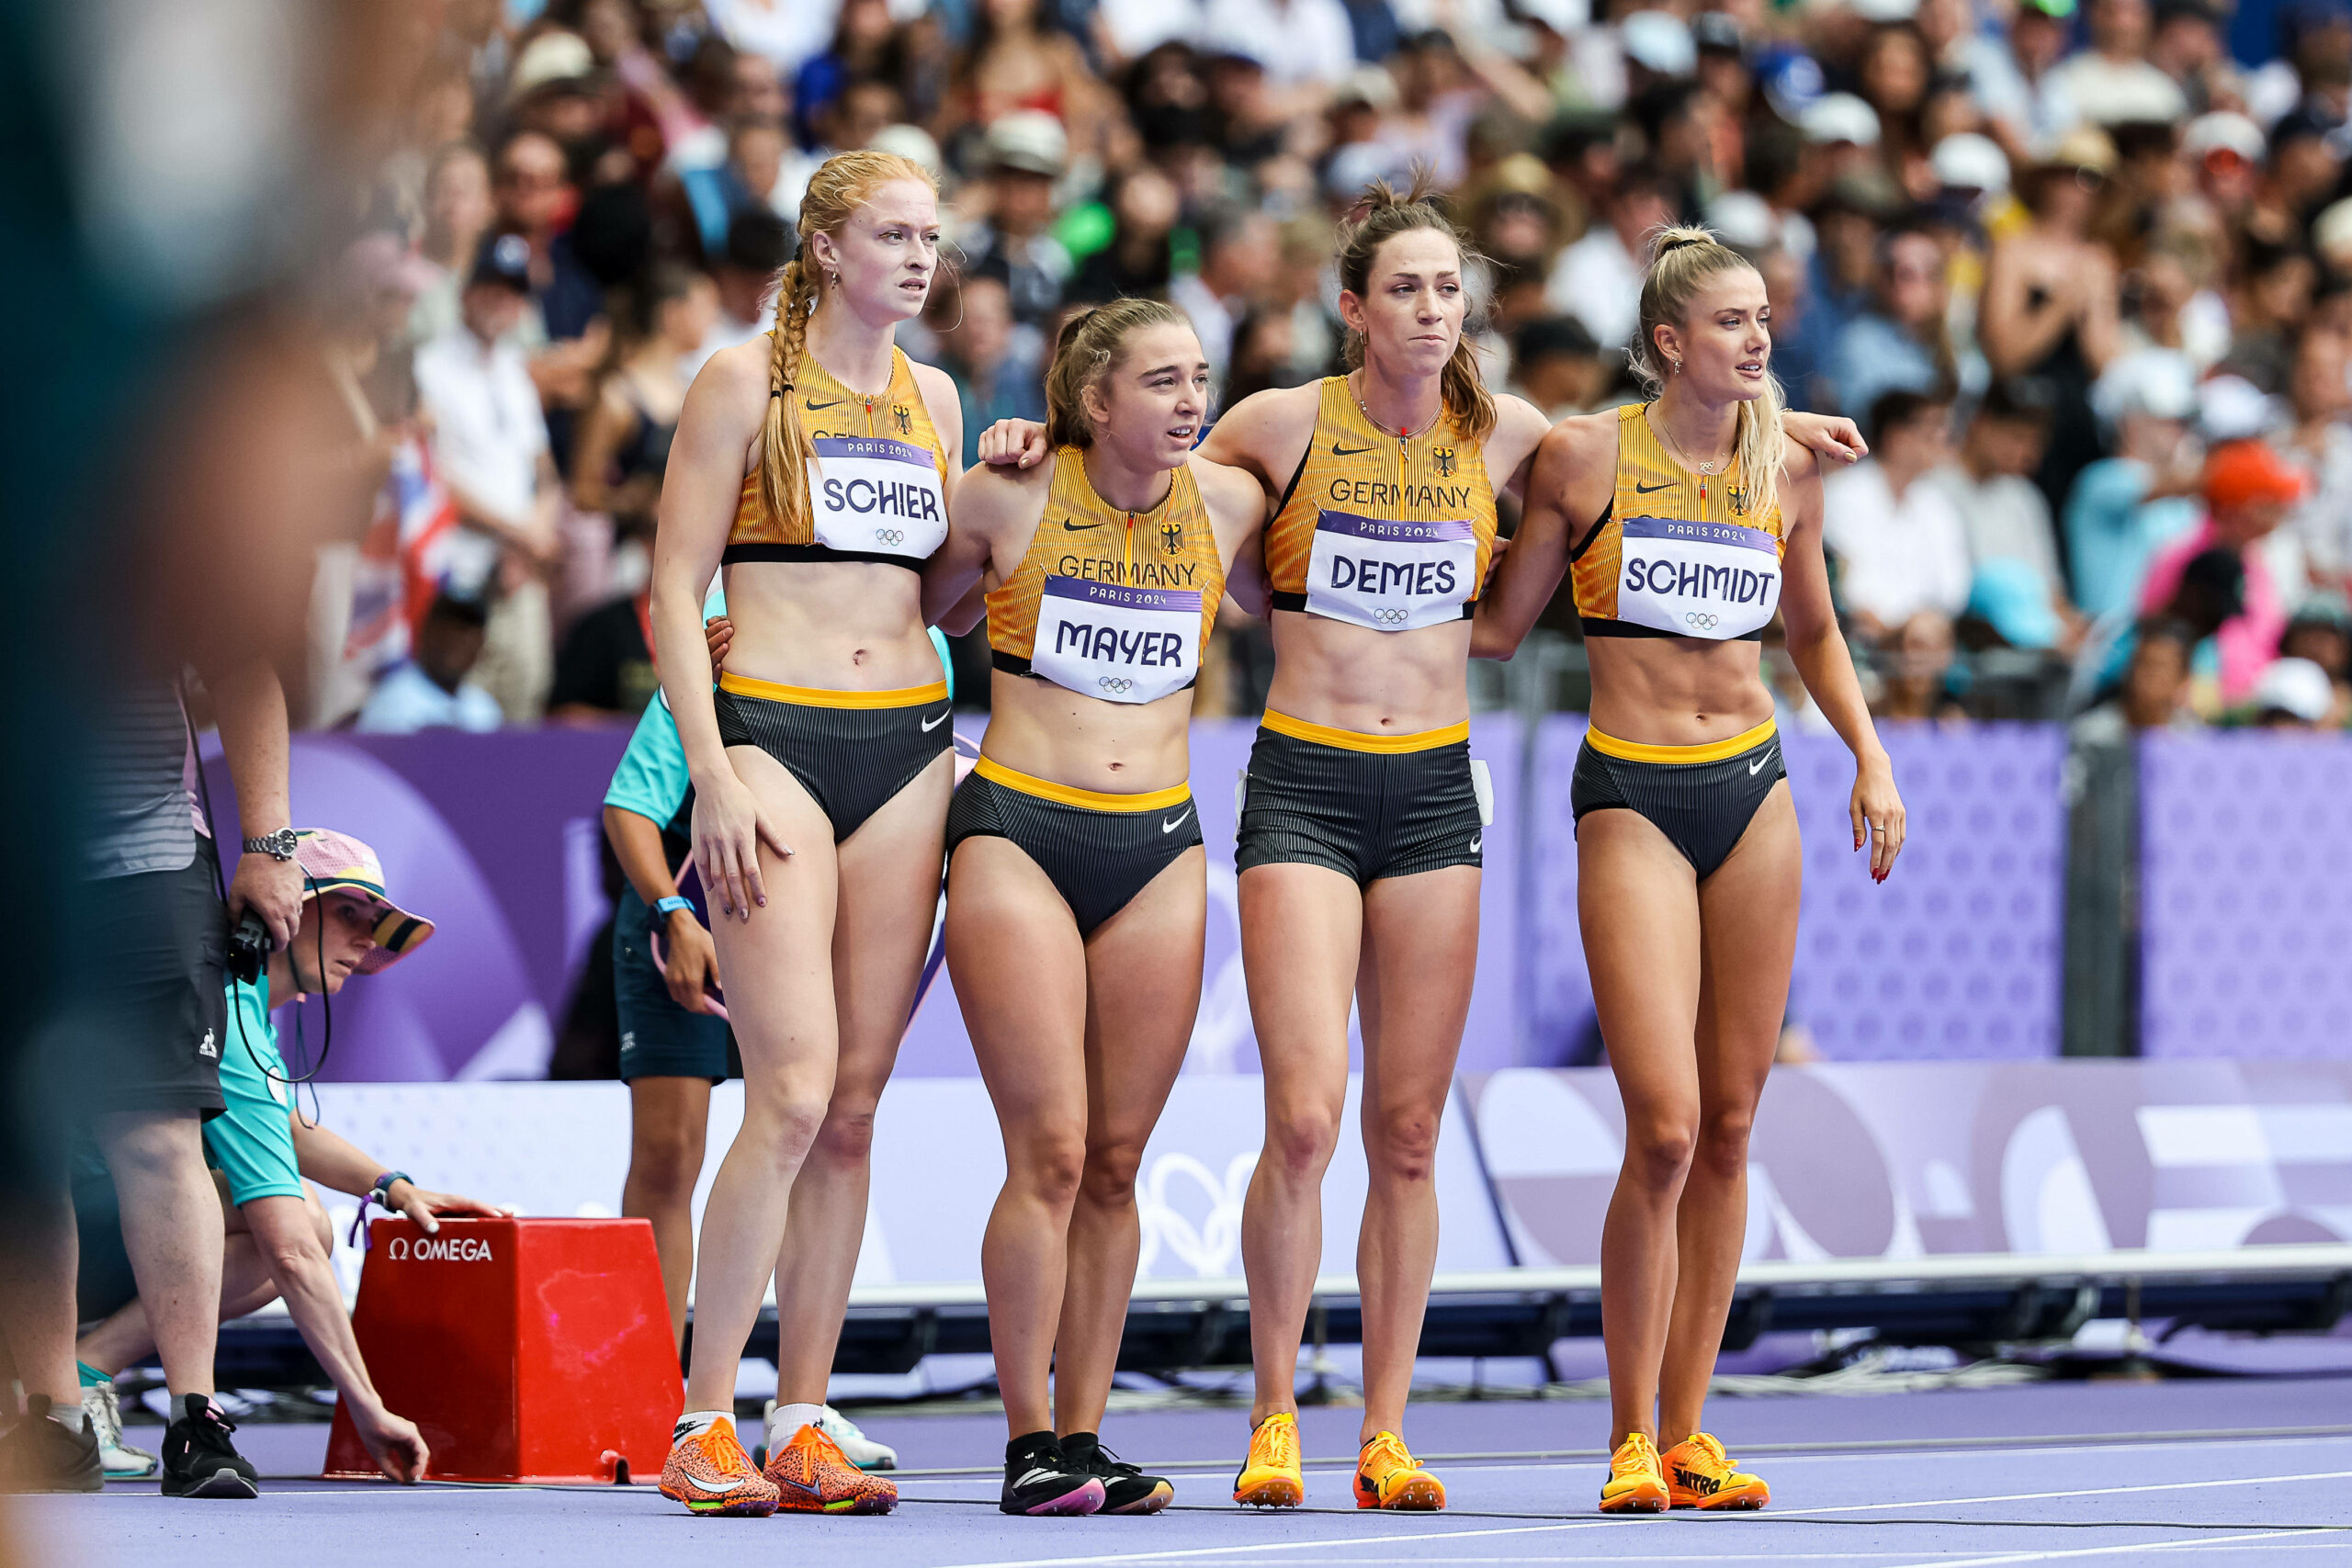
pixel 2248 487
pixel 2050 308
pixel 490 446
pixel 553 89
pixel 2124 507
pixel 1024 154
pixel 2294 694
pixel 264 1149
pixel 2321 631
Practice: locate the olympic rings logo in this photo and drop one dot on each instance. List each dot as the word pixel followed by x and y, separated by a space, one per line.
pixel 1700 619
pixel 1391 617
pixel 891 536
pixel 1119 684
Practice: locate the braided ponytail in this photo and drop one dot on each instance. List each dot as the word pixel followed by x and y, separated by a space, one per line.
pixel 840 187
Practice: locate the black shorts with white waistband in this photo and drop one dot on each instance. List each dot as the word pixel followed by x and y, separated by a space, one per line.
pixel 1367 806
pixel 1099 850
pixel 852 751
pixel 1701 797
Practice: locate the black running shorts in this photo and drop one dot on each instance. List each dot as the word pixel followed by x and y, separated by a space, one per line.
pixel 1099 850
pixel 1328 797
pixel 851 751
pixel 1700 798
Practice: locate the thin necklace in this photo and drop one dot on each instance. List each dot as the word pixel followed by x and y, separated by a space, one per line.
pixel 1704 470
pixel 1404 439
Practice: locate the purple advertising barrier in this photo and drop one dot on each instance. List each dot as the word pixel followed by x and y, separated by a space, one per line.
pixel 494 838
pixel 1223 1041
pixel 1910 1159
pixel 1956 956
pixel 2245 846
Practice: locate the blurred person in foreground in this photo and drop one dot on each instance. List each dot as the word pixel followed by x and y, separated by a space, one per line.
pixel 136 1061
pixel 1901 546
pixel 2248 488
pixel 490 441
pixel 431 689
pixel 278 1236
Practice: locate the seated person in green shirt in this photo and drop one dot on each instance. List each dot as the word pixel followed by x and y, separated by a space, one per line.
pixel 262 1149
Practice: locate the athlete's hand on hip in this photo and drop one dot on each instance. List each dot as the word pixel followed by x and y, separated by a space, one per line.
pixel 272 888
pixel 719 632
pixel 427 1208
pixel 1013 443
pixel 393 1442
pixel 1877 812
pixel 1838 439
pixel 692 963
pixel 729 828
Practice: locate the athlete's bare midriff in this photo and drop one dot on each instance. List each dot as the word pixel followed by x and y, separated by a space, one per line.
pixel 1676 691
pixel 846 626
pixel 1051 733
pixel 1371 683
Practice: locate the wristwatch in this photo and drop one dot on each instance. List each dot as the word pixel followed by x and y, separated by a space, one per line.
pixel 671 905
pixel 277 846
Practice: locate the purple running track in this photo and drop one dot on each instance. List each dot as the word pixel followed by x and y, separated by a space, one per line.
pixel 2236 1471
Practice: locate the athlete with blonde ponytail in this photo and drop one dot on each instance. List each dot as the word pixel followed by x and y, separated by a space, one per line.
pixel 1684 525
pixel 1362 822
pixel 815 465
pixel 1076 884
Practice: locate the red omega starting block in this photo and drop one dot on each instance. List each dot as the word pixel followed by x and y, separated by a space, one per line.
pixel 523 1349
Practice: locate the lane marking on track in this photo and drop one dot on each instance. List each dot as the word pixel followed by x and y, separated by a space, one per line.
pixel 2055 1556
pixel 2079 1492
pixel 1324 1544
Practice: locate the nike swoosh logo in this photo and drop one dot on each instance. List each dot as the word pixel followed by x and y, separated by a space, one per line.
pixel 1079 527
pixel 931 723
pixel 1640 489
pixel 1339 451
pixel 703 1485
pixel 1171 827
pixel 1477 842
pixel 813 407
pixel 1757 766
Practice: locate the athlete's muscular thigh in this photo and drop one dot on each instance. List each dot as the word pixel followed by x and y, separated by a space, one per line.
pixel 1143 993
pixel 889 893
pixel 1748 918
pixel 776 966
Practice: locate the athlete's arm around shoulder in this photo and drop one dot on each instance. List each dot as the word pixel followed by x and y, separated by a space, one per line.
pixel 990 520
pixel 1519 428
pixel 1237 507
pixel 1266 433
pixel 717 427
pixel 1571 475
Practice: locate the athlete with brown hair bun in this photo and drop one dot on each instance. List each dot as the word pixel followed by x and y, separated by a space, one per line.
pixel 1077 889
pixel 1361 829
pixel 1684 525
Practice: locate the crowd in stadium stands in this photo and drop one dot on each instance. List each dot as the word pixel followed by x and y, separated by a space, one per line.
pixel 2083 280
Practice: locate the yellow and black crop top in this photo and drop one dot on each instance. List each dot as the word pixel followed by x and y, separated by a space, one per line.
pixel 1675 553
pixel 1111 604
pixel 1378 531
pixel 879 489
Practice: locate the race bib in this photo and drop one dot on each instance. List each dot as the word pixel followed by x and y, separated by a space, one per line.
pixel 1389 575
pixel 870 495
pixel 1705 579
pixel 1123 645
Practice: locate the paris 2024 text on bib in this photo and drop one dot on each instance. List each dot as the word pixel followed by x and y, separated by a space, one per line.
pixel 1123 645
pixel 1391 575
pixel 1704 579
pixel 871 495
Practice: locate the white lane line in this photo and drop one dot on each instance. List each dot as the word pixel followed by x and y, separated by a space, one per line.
pixel 2082 1492
pixel 1319 1545
pixel 2010 1557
